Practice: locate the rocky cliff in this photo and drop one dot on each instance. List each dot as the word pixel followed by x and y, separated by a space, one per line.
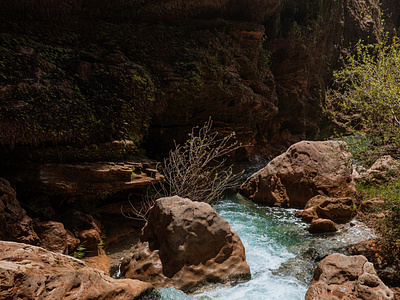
pixel 89 81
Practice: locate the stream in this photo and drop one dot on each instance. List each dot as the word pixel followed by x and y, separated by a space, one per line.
pixel 279 250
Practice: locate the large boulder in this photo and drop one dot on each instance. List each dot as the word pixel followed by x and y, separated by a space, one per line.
pixel 305 170
pixel 15 225
pixel 30 272
pixel 347 277
pixel 186 244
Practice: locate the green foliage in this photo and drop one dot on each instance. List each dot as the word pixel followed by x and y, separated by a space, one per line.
pixel 390 226
pixel 365 100
pixel 79 252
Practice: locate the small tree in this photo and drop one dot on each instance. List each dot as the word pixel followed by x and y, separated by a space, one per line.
pixel 365 100
pixel 195 170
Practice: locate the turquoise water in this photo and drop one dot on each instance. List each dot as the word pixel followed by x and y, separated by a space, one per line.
pixel 276 244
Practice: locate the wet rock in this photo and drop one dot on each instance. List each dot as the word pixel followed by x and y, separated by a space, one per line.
pixel 15 225
pixel 347 277
pixel 49 275
pixel 186 244
pixel 305 170
pixel 322 225
pixel 335 209
pixel 54 237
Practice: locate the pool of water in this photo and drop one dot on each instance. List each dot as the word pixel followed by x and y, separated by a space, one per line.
pixel 279 251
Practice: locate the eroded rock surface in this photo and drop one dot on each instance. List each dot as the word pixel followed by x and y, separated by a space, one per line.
pixel 97 178
pixel 305 170
pixel 186 244
pixel 347 277
pixel 15 225
pixel 48 275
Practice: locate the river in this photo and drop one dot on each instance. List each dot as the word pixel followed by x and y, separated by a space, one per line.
pixel 279 251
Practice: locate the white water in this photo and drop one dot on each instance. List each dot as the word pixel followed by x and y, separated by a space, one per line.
pixel 273 237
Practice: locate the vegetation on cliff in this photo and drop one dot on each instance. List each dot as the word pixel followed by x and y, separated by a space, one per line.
pixel 365 101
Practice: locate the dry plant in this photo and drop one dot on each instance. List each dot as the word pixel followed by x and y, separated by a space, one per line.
pixel 195 170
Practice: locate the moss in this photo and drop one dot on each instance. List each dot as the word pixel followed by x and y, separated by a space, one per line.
pixel 44 100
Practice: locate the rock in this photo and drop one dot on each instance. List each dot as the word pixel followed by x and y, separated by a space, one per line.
pixel 387 266
pixel 15 225
pixel 54 237
pixel 96 178
pixel 347 277
pixel 40 207
pixel 90 239
pixel 100 262
pixel 370 204
pixel 386 168
pixel 335 209
pixel 309 214
pixel 322 225
pixel 186 244
pixel 49 275
pixel 305 170
pixel 77 221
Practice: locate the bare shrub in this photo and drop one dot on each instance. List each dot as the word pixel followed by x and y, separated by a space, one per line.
pixel 195 170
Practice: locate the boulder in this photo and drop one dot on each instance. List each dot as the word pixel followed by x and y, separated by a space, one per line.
pixel 90 239
pixel 371 204
pixel 322 225
pixel 54 237
pixel 305 170
pixel 335 209
pixel 386 265
pixel 186 244
pixel 347 277
pixel 386 168
pixel 15 225
pixel 49 275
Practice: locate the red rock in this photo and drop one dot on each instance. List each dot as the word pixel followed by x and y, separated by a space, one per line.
pixel 15 225
pixel 305 170
pixel 321 226
pixel 49 275
pixel 386 168
pixel 347 277
pixel 54 237
pixel 185 245
pixel 90 239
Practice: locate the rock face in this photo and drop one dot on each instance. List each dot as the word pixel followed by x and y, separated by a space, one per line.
pixel 49 275
pixel 347 277
pixel 186 244
pixel 15 225
pixel 97 178
pixel 305 170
